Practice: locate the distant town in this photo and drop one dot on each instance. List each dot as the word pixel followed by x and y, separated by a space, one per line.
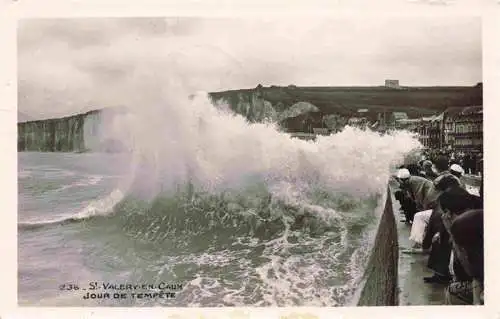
pixel 457 128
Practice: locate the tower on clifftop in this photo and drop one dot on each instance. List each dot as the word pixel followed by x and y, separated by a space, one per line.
pixel 392 83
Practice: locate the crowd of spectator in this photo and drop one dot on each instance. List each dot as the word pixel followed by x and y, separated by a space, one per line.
pixel 446 223
pixel 471 162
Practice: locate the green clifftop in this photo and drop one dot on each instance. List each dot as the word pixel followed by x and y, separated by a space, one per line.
pixel 415 101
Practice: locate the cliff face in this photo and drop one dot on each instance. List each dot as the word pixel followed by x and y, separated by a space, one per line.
pixel 249 103
pixel 53 135
pixel 77 133
pixel 86 132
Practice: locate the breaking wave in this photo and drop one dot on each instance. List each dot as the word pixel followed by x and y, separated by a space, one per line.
pixel 244 213
pixel 101 207
pixel 239 212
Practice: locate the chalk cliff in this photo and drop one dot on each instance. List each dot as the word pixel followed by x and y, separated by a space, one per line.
pixel 84 132
pixel 249 103
pixel 52 135
pixel 77 133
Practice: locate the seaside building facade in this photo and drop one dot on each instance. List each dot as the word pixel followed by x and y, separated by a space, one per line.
pixel 463 129
pixel 457 128
pixel 430 131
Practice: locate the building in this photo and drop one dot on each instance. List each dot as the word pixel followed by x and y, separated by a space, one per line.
pixel 408 124
pixel 392 84
pixel 393 118
pixel 303 123
pixel 430 131
pixel 335 122
pixel 459 129
pixel 321 131
pixel 360 122
pixel 463 129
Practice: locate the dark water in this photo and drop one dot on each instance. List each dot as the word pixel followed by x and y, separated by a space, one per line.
pixel 241 246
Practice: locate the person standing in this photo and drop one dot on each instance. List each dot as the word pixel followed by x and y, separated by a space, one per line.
pixel 474 164
pixel 467 165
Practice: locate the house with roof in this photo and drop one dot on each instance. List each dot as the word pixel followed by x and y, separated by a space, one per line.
pixel 463 128
pixel 394 117
pixel 430 131
pixel 357 122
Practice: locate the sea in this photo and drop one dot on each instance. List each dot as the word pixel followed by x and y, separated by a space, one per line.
pixel 206 210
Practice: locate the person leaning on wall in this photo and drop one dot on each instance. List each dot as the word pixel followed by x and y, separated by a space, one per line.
pixel 416 189
pixel 436 238
pixel 455 202
pixel 467 232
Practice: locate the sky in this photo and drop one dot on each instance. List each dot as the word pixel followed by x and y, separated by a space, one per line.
pixel 66 66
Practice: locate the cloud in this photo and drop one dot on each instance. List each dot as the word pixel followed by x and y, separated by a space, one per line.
pixel 69 65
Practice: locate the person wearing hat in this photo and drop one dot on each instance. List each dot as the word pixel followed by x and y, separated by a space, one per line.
pixel 408 205
pixel 418 189
pixel 457 170
pixel 426 222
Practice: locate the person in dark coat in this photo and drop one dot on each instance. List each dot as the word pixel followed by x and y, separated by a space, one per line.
pixel 454 200
pixel 441 164
pixel 467 231
pixel 473 163
pixel 467 165
pixel 437 240
pixel 408 206
pixel 436 236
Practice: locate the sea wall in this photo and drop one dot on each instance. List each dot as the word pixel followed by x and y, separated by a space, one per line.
pixel 379 285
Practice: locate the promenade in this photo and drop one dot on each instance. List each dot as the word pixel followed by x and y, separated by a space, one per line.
pixel 413 291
